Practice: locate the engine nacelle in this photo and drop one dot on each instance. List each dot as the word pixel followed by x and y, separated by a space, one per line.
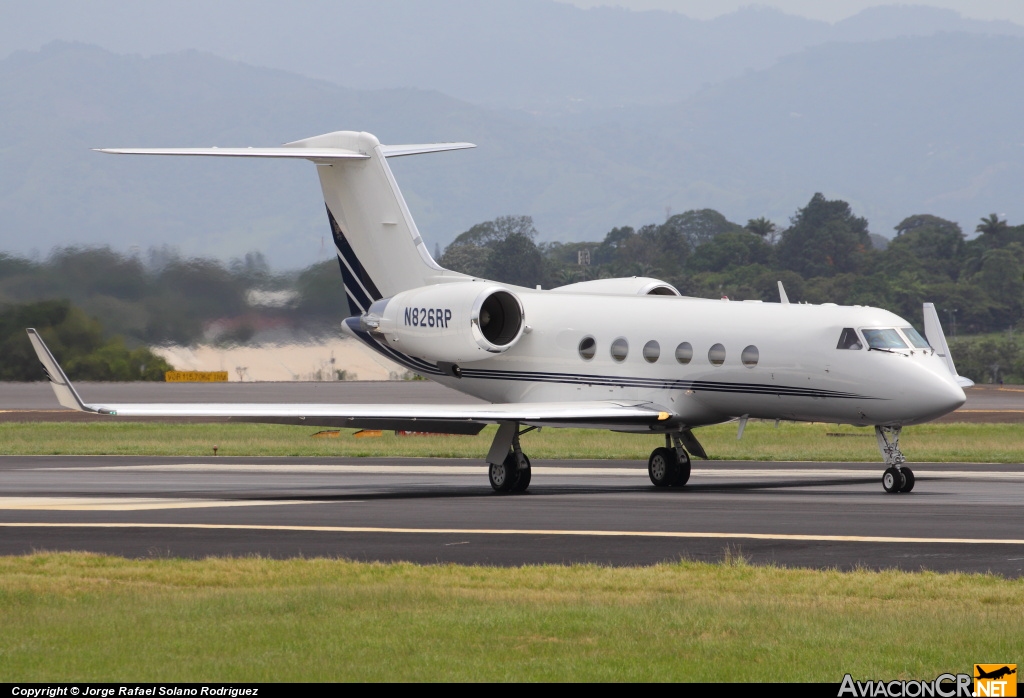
pixel 455 323
pixel 624 286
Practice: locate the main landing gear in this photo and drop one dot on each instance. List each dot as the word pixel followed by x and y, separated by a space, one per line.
pixel 897 476
pixel 669 466
pixel 508 467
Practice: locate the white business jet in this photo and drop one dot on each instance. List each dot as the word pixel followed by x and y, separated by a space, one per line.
pixel 626 354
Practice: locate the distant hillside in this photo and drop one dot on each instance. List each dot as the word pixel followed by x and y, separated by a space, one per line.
pixel 536 55
pixel 897 127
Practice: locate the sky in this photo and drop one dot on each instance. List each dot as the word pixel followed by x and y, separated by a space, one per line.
pixel 828 10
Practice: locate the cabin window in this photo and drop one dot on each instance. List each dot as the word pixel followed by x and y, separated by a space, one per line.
pixel 849 339
pixel 916 340
pixel 716 355
pixel 620 349
pixel 887 338
pixel 588 347
pixel 684 353
pixel 750 356
pixel 652 350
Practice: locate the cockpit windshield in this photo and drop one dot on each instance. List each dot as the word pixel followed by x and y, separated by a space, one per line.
pixel 887 338
pixel 915 338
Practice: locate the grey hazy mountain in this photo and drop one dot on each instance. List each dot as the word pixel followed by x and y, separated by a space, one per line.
pixel 537 55
pixel 897 127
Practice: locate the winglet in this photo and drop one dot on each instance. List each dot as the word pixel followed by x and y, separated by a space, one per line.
pixel 783 298
pixel 66 394
pixel 933 333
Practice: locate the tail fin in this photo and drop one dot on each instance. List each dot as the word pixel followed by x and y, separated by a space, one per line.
pixel 380 251
pixel 933 333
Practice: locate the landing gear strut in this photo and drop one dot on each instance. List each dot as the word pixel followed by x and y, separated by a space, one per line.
pixel 897 477
pixel 511 473
pixel 669 466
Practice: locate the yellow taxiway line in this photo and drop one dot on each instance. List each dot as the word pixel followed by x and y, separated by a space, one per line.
pixel 923 473
pixel 131 503
pixel 530 532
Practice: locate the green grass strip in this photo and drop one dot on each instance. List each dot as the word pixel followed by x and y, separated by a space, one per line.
pixel 97 618
pixel 991 443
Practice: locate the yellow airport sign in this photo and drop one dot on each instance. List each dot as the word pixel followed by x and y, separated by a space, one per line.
pixel 196 376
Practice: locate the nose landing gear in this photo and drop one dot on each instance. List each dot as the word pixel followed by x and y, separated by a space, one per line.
pixel 897 477
pixel 669 466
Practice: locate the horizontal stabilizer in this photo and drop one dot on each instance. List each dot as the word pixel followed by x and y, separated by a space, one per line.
pixel 321 155
pixel 394 151
pixel 314 154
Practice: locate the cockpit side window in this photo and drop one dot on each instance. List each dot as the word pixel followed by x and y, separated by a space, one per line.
pixel 849 339
pixel 887 338
pixel 915 338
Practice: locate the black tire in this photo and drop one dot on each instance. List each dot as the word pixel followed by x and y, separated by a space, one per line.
pixel 682 469
pixel 525 475
pixel 503 475
pixel 908 479
pixel 662 466
pixel 892 480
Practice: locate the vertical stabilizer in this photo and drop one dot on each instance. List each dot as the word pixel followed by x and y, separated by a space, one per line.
pixel 379 248
pixel 380 251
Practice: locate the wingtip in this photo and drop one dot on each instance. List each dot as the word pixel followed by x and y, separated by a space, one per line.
pixel 66 394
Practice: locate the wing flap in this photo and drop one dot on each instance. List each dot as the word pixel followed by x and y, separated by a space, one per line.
pixel 596 412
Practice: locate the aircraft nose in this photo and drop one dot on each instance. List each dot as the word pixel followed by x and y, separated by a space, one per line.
pixel 938 395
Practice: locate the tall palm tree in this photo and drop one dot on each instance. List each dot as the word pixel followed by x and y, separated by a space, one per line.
pixel 991 227
pixel 763 227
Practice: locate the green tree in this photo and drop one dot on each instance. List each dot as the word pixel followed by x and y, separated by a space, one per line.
pixel 322 299
pixel 698 226
pixel 730 249
pixel 929 246
pixel 992 228
pixel 825 239
pixel 763 228
pixel 502 250
pixel 76 339
pixel 516 259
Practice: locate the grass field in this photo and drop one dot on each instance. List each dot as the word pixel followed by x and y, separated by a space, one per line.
pixel 990 443
pixel 87 617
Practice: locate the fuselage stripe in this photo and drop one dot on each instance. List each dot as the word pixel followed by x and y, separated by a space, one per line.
pixel 421 366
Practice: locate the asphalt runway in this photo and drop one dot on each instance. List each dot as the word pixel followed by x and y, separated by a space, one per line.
pixel 967 517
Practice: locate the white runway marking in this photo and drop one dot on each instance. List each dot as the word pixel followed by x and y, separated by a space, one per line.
pixel 528 532
pixel 127 503
pixel 310 469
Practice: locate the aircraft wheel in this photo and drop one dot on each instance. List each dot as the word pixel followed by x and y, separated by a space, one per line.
pixel 682 470
pixel 523 476
pixel 908 479
pixel 502 475
pixel 892 480
pixel 662 466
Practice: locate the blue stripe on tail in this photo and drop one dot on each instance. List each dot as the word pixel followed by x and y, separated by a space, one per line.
pixel 359 287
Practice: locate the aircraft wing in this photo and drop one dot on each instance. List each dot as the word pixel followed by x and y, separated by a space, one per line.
pixel 468 419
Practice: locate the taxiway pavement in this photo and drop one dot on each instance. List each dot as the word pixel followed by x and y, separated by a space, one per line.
pixel 967 517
